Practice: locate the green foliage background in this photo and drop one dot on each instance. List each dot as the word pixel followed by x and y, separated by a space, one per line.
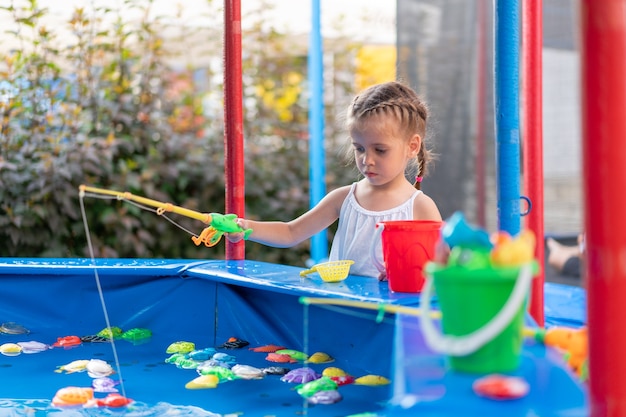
pixel 119 103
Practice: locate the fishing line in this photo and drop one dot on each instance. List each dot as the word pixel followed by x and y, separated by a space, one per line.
pixel 143 207
pixel 100 293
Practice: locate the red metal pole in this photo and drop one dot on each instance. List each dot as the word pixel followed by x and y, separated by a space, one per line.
pixel 233 120
pixel 603 61
pixel 532 139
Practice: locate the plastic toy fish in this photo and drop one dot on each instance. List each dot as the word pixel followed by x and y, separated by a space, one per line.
pixel 501 387
pixel 33 347
pixel 300 376
pixel 275 370
pixel 343 380
pixel 457 232
pixel 187 364
pixel 332 371
pixel 203 382
pixel 224 357
pixel 113 400
pixel 202 354
pixel 67 342
pixel 220 224
pixel 112 333
pixel 310 388
pixel 325 397
pixel 13 328
pixel 223 374
pixel 320 357
pixel 214 362
pixel 94 338
pixel 181 347
pixel 79 365
pixel 136 335
pixel 572 342
pixel 233 343
pixel 10 349
pixel 280 358
pixel 469 258
pixel 97 368
pixel 510 251
pixel 295 354
pixel 248 372
pixel 72 396
pixel 267 348
pixel 104 384
pixel 372 380
pixel 182 362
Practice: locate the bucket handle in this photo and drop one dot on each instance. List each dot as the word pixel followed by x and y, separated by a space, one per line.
pixel 465 345
pixel 377 233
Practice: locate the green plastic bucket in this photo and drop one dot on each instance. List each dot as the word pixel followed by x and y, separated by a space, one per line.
pixel 482 315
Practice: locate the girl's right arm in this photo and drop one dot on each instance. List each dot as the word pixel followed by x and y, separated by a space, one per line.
pixel 286 234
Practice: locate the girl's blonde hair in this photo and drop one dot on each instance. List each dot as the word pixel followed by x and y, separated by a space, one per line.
pixel 401 102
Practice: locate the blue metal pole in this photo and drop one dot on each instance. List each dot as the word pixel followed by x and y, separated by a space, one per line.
pixel 506 76
pixel 319 242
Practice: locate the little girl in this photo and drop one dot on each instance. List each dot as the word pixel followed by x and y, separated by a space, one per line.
pixel 387 126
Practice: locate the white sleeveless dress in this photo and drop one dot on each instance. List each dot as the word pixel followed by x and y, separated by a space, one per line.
pixel 356 232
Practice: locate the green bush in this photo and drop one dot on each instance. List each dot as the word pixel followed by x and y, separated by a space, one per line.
pixel 112 108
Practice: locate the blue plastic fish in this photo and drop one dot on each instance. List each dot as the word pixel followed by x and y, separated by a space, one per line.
pixel 202 354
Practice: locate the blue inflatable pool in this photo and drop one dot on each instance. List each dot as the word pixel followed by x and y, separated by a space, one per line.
pixel 209 302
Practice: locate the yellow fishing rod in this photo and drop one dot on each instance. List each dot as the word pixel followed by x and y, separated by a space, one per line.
pixel 218 223
pixel 394 309
pixel 380 307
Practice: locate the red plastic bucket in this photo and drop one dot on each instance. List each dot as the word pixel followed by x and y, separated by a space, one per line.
pixel 407 246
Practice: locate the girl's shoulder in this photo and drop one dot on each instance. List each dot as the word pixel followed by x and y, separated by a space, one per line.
pixel 340 194
pixel 334 200
pixel 425 208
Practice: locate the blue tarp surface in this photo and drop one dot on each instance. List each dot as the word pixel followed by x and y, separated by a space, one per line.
pixel 208 302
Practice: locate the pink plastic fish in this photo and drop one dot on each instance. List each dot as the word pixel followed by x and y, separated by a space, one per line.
pixel 267 348
pixel 280 358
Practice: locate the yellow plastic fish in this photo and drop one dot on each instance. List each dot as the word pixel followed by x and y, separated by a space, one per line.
pixel 332 371
pixel 10 349
pixel 72 396
pixel 79 365
pixel 203 382
pixel 320 357
pixel 372 380
pixel 513 252
pixel 181 347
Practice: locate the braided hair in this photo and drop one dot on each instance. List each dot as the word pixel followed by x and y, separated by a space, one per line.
pixel 401 102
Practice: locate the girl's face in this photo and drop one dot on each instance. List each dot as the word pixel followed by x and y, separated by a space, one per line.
pixel 381 153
